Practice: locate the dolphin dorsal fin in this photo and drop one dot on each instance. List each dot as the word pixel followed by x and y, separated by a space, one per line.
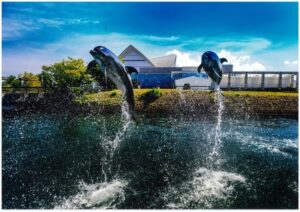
pixel 223 60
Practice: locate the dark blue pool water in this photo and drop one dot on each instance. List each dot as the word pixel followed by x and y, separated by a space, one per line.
pixel 64 161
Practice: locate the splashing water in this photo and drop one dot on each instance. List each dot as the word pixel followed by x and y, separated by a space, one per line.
pixel 99 195
pixel 205 189
pixel 110 192
pixel 111 146
pixel 170 151
pixel 214 155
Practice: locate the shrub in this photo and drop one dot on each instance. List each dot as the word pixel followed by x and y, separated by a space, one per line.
pixel 113 94
pixel 151 95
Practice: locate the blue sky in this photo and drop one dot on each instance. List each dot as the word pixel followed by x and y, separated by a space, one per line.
pixel 253 35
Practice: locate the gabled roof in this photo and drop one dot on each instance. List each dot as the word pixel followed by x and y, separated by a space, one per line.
pixel 131 48
pixel 165 61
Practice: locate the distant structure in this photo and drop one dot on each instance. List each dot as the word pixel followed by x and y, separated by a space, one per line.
pixel 160 71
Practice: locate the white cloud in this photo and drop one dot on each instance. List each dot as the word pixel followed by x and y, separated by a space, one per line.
pixel 245 45
pixel 57 22
pixel 287 62
pixel 158 38
pixel 238 45
pixel 78 46
pixel 13 29
pixel 241 62
pixel 51 22
pixel 185 59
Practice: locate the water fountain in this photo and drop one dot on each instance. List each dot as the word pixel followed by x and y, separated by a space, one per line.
pixel 212 65
pixel 109 161
pixel 104 194
pixel 214 155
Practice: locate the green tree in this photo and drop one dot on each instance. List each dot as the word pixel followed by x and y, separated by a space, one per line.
pixel 13 81
pixel 47 79
pixel 28 76
pixel 68 73
pixel 30 79
pixel 10 79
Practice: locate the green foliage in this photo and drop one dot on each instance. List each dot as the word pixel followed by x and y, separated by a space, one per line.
pixel 30 80
pixel 28 76
pixel 12 81
pixel 151 95
pixel 69 73
pixel 114 93
pixel 16 83
pixel 33 84
pixel 122 59
pixel 46 79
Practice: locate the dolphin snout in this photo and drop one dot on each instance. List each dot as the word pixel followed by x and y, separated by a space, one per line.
pixel 93 53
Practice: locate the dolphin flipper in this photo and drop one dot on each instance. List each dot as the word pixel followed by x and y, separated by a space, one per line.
pixel 199 68
pixel 223 60
pixel 130 70
pixel 91 65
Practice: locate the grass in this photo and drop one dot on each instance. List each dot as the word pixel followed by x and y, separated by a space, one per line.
pixel 106 98
pixel 170 100
pixel 115 97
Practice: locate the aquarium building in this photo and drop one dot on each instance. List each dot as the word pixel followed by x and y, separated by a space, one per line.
pixel 160 71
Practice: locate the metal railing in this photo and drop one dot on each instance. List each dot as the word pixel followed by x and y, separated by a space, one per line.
pixel 24 90
pixel 260 79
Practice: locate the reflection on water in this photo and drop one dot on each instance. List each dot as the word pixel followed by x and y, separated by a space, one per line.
pixel 62 161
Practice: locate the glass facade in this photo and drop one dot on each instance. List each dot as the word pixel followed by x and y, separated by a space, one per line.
pixel 155 80
pixel 163 80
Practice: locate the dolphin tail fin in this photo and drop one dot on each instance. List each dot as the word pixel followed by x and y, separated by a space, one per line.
pixel 223 60
pixel 199 68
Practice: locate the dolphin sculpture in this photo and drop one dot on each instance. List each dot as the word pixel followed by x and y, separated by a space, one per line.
pixel 212 65
pixel 112 67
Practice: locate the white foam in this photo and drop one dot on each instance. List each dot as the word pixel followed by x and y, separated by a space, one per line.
pixel 207 187
pixel 260 143
pixel 99 195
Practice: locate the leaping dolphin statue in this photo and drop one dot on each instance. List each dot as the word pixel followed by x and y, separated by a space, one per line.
pixel 212 65
pixel 112 67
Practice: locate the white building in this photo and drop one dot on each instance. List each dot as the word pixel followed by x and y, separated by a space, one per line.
pixel 161 71
pixel 133 57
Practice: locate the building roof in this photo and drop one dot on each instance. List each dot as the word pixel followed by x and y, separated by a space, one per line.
pixel 132 55
pixel 131 49
pixel 165 61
